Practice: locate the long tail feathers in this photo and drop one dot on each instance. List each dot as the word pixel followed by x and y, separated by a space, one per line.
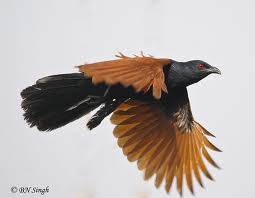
pixel 55 101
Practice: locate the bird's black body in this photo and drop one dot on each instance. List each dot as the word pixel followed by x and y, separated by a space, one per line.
pixel 56 100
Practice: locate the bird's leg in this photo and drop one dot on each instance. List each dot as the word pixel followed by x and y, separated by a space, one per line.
pixel 107 108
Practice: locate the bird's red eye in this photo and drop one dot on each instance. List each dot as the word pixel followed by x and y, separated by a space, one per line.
pixel 201 66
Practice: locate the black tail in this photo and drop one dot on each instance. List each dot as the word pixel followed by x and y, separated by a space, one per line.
pixel 55 101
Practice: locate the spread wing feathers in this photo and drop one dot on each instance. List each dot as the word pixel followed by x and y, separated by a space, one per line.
pixel 142 73
pixel 147 135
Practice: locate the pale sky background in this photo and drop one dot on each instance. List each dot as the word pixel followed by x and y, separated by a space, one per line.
pixel 40 38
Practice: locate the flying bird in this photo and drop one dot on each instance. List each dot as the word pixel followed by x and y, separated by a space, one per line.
pixel 150 107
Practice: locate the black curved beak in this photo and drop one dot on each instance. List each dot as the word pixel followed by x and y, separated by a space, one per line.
pixel 214 70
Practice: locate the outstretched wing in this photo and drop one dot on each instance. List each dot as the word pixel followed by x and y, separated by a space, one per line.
pixel 140 72
pixel 157 140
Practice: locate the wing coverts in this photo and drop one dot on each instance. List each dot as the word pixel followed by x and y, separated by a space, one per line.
pixel 142 73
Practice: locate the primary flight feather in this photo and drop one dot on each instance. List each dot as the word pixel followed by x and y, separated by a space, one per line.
pixel 151 110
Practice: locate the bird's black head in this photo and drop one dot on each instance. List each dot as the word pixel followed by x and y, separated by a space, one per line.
pixel 187 73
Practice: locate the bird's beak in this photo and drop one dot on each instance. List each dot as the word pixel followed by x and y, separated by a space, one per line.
pixel 214 70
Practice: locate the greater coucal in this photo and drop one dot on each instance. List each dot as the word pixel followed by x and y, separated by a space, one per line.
pixel 151 111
